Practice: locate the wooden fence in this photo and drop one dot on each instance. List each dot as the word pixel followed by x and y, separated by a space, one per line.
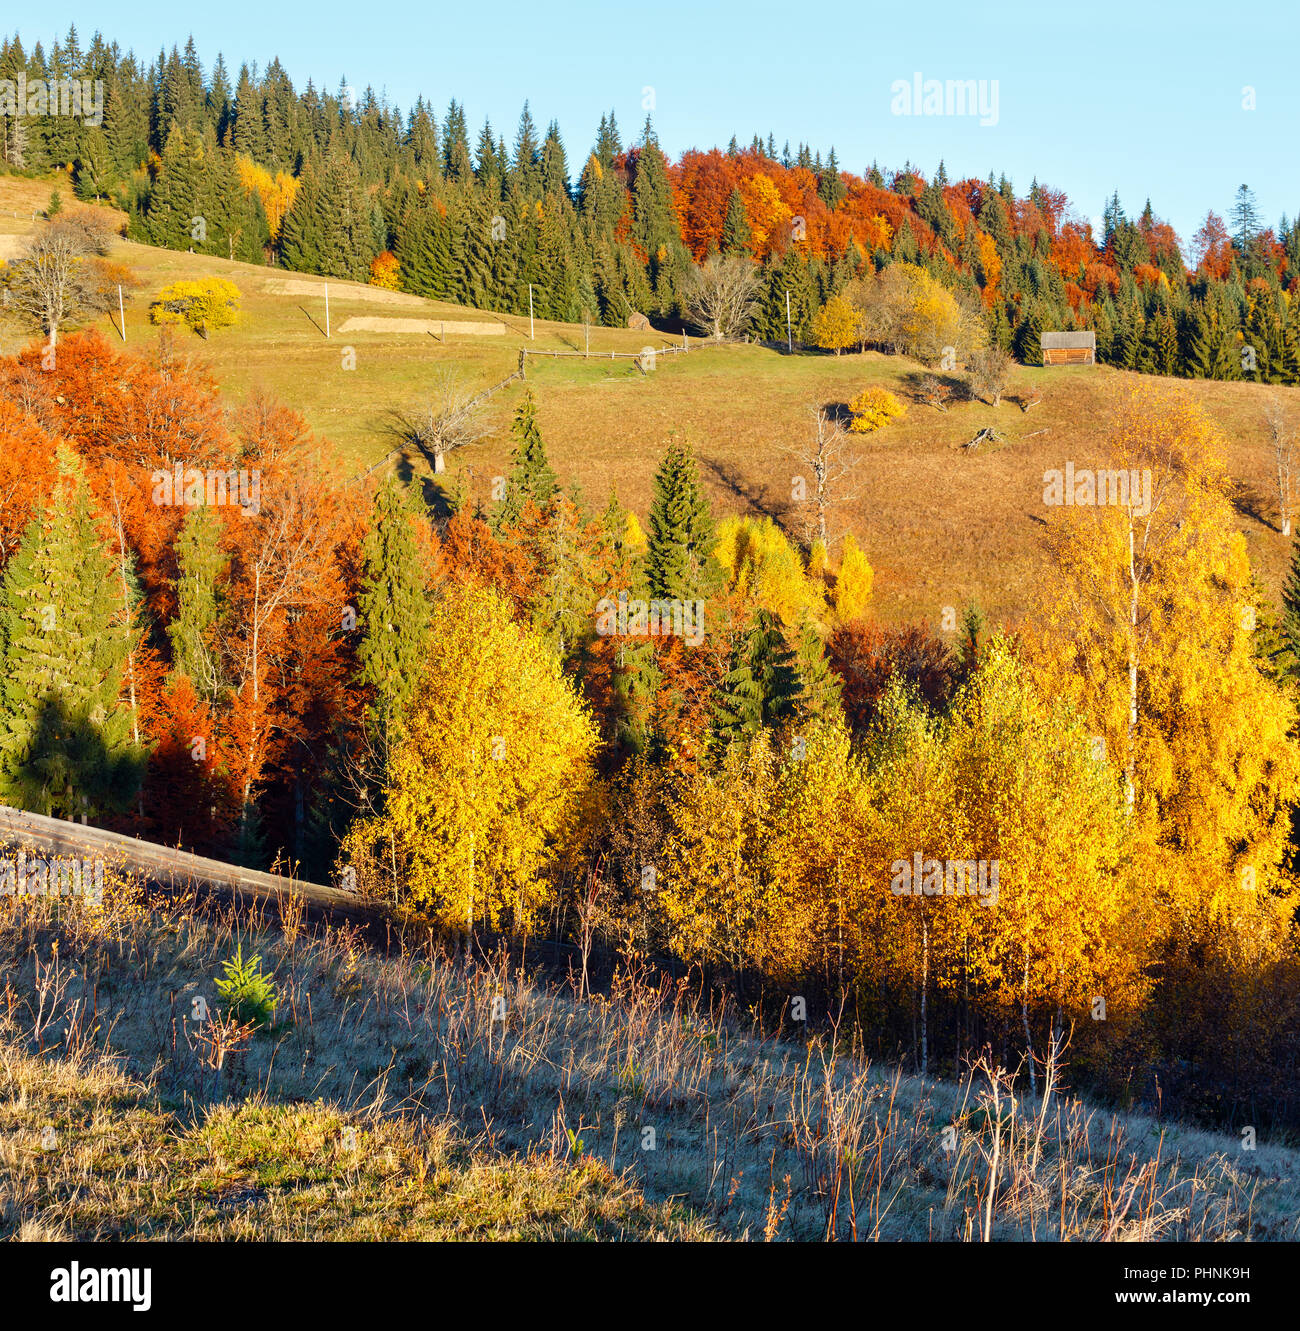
pixel 173 869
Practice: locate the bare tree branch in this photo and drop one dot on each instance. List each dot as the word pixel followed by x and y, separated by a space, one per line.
pixel 57 278
pixel 1283 437
pixel 989 369
pixel 826 457
pixel 452 418
pixel 721 294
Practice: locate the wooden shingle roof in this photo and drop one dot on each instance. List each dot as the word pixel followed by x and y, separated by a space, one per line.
pixel 1078 341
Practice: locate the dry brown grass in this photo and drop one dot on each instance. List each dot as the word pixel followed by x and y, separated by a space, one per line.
pixel 410 1094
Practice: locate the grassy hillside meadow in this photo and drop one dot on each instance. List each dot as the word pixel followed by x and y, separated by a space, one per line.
pixel 941 525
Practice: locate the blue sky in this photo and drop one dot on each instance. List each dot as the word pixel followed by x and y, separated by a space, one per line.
pixel 1114 96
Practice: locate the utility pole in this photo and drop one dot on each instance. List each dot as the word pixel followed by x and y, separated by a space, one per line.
pixel 327 308
pixel 121 313
pixel 789 334
pixel 530 311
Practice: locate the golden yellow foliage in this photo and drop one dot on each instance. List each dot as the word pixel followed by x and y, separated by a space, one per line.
pixel 487 785
pixel 906 310
pixel 853 582
pixel 386 272
pixel 203 304
pixel 277 192
pixel 762 564
pixel 873 408
pixel 1146 628
pixel 716 891
pixel 767 212
pixel 836 325
pixel 634 538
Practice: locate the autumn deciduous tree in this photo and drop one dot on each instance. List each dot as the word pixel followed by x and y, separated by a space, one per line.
pixel 1147 628
pixel 764 567
pixel 829 465
pixel 853 582
pixel 1037 802
pixel 874 408
pixel 721 294
pixel 718 893
pixel 281 587
pixel 1282 436
pixel 386 272
pixel 276 192
pixel 868 655
pixel 835 325
pixel 488 779
pixel 904 309
pixel 452 418
pixel 989 369
pixel 58 277
pixel 202 305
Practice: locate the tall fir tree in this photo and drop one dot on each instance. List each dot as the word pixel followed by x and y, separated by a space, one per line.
pixel 66 745
pixel 736 230
pixel 530 475
pixel 655 228
pixel 680 536
pixel 820 686
pixel 199 563
pixel 328 229
pixel 762 689
pixel 394 614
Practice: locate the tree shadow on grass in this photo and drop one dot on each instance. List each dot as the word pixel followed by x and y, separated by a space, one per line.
pixel 1250 503
pixel 779 510
pixel 432 493
pixel 920 386
pixel 69 770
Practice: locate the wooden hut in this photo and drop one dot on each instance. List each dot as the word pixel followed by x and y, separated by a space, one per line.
pixel 1069 348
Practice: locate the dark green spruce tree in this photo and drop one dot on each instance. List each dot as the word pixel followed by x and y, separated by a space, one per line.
pixel 762 689
pixel 66 747
pixel 680 536
pixel 394 614
pixel 735 227
pixel 821 689
pixel 393 630
pixel 199 563
pixel 530 475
